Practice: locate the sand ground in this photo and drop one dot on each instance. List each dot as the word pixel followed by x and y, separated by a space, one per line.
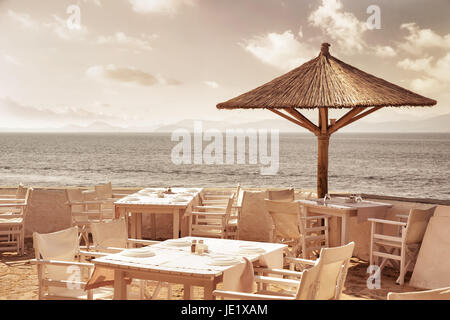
pixel 18 280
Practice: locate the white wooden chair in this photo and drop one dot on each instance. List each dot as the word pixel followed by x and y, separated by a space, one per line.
pixel 112 237
pixel 218 199
pixel 281 195
pixel 61 275
pixel 216 223
pixel 323 280
pixel 435 294
pixel 105 193
pixel 399 250
pixel 84 212
pixel 292 225
pixel 12 223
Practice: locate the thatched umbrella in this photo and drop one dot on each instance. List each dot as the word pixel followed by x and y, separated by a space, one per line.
pixel 325 83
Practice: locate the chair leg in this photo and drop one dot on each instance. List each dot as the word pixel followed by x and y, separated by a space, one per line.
pixel 401 278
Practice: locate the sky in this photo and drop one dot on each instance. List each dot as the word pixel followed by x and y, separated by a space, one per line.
pixel 146 63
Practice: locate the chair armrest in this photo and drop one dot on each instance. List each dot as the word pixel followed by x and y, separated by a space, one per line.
pixel 248 296
pixel 281 272
pixel 396 223
pixel 12 196
pixel 11 216
pixel 300 261
pixel 209 207
pixel 62 263
pixel 12 200
pixel 218 214
pixel 279 281
pixel 85 202
pixel 8 205
pixel 316 217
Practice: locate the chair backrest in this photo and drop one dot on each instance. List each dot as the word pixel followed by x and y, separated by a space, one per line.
pixel 330 274
pixel 27 198
pixel 104 191
pixel 282 195
pixel 61 245
pixel 74 195
pixel 228 208
pixel 417 224
pixel 435 294
pixel 442 211
pixel 110 234
pixel 307 287
pixel 254 221
pixel 21 192
pixel 286 218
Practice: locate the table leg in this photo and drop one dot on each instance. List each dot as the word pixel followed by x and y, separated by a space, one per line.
pixel 176 223
pixel 153 223
pixel 139 225
pixel 120 285
pixel 188 292
pixel 190 225
pixel 344 230
pixel 208 291
pixel 133 225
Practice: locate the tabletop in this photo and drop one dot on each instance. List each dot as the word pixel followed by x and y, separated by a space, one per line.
pixel 343 203
pixel 172 256
pixel 179 197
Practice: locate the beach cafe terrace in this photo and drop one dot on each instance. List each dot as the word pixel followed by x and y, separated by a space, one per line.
pixel 250 243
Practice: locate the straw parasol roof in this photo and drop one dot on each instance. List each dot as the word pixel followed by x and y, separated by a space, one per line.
pixel 326 83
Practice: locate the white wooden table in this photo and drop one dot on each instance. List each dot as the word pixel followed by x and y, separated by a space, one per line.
pixel 178 265
pixel 339 208
pixel 146 201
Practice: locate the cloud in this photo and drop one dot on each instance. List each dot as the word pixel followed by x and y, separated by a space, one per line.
pixel 420 39
pixel 94 111
pixel 287 50
pixel 434 77
pixel 385 51
pixel 160 6
pixel 60 28
pixel 417 64
pixel 98 3
pixel 211 84
pixel 141 43
pixel 23 18
pixel 128 75
pixel 57 25
pixel 341 26
pixel 11 59
pixel 282 50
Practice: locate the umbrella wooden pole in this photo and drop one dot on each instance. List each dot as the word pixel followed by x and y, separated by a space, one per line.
pixel 322 165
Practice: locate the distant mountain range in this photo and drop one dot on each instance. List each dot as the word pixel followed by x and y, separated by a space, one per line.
pixel 434 124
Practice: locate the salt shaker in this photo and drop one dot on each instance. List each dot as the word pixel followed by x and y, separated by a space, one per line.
pixel 200 247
